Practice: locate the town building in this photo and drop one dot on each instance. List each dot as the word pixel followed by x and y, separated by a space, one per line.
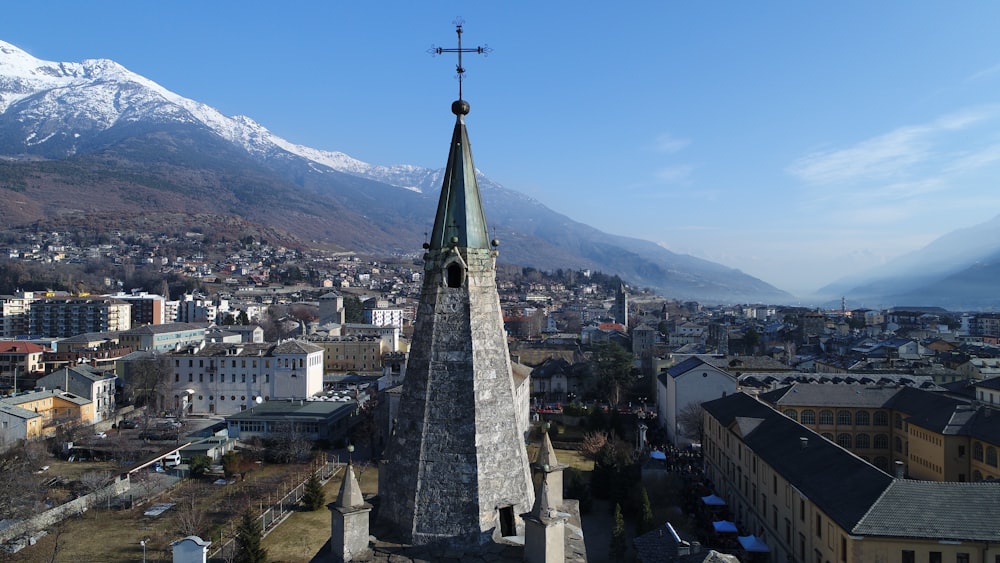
pixel 379 312
pixel 681 388
pixel 97 385
pixel 228 378
pixel 147 308
pixel 20 359
pixel 14 313
pixel 56 408
pixel 808 499
pixel 311 419
pixel 162 337
pixel 67 316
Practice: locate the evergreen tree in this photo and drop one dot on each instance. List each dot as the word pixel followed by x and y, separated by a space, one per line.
pixel 248 536
pixel 618 544
pixel 613 366
pixel 645 513
pixel 314 497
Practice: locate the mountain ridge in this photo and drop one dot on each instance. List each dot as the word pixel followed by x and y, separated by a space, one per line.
pixel 123 140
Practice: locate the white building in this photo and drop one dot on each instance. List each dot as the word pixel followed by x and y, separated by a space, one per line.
pixel 690 382
pixel 378 312
pixel 226 378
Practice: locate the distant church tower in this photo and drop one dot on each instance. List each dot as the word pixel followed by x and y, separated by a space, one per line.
pixel 620 311
pixel 456 465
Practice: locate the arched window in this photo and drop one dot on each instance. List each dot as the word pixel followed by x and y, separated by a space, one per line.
pixel 881 418
pixel 899 421
pixel 977 451
pixel 899 444
pixel 827 435
pixel 881 442
pixel 844 418
pixel 862 441
pixel 792 414
pixel 991 456
pixel 844 440
pixel 826 417
pixel 882 463
pixel 862 418
pixel 808 417
pixel 977 476
pixel 455 274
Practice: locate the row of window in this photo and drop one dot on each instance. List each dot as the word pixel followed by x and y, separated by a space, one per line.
pixel 222 378
pixel 243 363
pixel 910 556
pixel 843 417
pixel 221 398
pixel 990 457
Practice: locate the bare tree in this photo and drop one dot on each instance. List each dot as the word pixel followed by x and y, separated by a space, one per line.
pixel 690 422
pixel 146 380
pixel 288 444
pixel 93 481
pixel 593 443
pixel 20 489
pixel 191 516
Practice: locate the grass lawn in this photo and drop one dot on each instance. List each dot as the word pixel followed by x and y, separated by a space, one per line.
pixel 303 534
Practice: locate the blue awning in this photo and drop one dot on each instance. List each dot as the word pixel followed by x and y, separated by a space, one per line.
pixel 713 500
pixel 753 543
pixel 724 527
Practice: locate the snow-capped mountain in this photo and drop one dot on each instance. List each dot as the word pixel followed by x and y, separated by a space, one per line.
pixel 103 93
pixel 127 144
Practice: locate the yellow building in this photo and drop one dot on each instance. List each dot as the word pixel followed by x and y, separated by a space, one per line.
pixel 351 353
pixel 899 429
pixel 810 500
pixel 55 407
pixel 18 424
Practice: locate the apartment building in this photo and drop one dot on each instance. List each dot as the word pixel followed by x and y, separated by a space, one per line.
pixel 66 316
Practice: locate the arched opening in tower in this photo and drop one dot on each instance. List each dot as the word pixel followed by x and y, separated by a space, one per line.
pixel 455 275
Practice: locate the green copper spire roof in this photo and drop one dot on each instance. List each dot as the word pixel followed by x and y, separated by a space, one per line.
pixel 460 220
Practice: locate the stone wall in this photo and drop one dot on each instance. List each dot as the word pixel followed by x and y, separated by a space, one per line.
pixel 59 513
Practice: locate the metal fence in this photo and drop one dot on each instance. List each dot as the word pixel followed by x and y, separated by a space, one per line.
pixel 273 513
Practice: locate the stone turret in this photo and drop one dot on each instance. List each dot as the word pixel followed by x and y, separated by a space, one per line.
pixel 545 525
pixel 349 519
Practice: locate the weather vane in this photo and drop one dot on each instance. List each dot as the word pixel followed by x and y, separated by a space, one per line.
pixel 484 50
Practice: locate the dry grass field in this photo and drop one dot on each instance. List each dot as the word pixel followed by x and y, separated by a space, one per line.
pixel 202 508
pixel 102 535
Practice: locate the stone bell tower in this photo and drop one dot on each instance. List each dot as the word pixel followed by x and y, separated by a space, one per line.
pixel 457 470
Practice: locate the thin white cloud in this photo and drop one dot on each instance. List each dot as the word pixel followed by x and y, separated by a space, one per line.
pixel 882 157
pixel 667 143
pixel 675 174
pixel 986 72
pixel 975 160
pixel 890 156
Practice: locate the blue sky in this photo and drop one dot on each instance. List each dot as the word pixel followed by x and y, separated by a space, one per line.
pixel 796 141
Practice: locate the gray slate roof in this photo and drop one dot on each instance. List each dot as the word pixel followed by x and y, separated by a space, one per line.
pixel 961 511
pixel 841 484
pixel 819 395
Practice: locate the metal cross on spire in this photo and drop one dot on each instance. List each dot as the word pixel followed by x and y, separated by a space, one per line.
pixel 484 50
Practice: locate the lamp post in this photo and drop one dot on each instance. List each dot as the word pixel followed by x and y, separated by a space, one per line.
pixel 350 454
pixel 143 544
